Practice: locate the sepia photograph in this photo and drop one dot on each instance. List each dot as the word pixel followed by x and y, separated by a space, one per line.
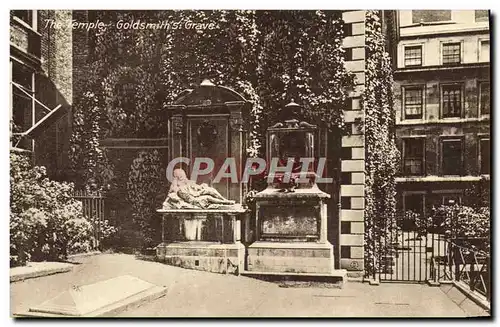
pixel 250 163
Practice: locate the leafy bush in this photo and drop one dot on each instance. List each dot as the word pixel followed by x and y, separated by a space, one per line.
pixel 461 222
pixel 46 222
pixel 413 221
pixel 106 232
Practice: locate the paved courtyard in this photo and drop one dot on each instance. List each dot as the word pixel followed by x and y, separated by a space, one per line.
pixel 201 294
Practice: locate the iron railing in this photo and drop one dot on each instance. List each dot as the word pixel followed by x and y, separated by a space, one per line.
pixel 94 210
pixel 467 265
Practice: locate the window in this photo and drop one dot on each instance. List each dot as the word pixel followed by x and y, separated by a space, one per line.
pixel 413 55
pixel 484 156
pixel 414 202
pixel 24 15
pixel 22 103
pixel 451 96
pixel 413 211
pixel 484 51
pixel 27 16
pixel 413 152
pixel 484 98
pixel 413 102
pixel 451 53
pixel 481 15
pixel 430 16
pixel 21 92
pixel 452 157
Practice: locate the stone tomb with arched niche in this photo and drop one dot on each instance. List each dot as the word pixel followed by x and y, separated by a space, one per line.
pixel 202 216
pixel 291 213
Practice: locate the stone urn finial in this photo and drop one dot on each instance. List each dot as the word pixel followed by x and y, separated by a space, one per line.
pixel 290 114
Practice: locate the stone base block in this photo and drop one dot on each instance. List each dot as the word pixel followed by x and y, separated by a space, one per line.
pixel 352 264
pixel 293 257
pixel 206 256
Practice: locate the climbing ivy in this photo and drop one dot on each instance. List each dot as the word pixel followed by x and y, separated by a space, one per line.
pixel 382 156
pixel 87 158
pixel 143 188
pixel 270 57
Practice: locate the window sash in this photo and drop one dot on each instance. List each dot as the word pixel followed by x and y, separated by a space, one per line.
pixel 452 157
pixel 484 51
pixel 24 15
pixel 481 15
pixel 413 103
pixel 485 156
pixel 430 16
pixel 452 100
pixel 413 55
pixel 413 161
pixel 484 97
pixel 451 53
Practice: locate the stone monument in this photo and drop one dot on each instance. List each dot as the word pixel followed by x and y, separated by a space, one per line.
pixel 291 213
pixel 201 218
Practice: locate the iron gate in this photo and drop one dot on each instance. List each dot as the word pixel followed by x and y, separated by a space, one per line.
pixel 412 250
pixel 93 208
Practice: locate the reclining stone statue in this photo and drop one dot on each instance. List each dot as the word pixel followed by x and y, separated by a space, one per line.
pixel 186 194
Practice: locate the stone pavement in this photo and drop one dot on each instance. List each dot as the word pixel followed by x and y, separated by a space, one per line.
pixel 200 294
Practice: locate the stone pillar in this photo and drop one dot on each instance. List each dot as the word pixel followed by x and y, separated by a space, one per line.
pixel 236 110
pixel 352 190
pixel 177 135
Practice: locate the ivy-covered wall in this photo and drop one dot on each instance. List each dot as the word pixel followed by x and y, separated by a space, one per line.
pixel 382 156
pixel 270 57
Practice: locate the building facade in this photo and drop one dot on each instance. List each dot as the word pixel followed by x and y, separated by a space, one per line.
pixel 41 87
pixel 442 103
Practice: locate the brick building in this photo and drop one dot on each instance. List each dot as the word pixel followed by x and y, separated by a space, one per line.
pixel 442 103
pixel 41 86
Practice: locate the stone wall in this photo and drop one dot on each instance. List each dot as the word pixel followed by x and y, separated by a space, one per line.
pixel 352 200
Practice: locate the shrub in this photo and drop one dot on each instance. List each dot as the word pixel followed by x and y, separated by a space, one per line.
pixel 462 223
pixel 46 222
pixel 414 221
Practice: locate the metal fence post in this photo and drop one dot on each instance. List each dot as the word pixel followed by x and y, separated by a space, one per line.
pixel 457 264
pixel 471 276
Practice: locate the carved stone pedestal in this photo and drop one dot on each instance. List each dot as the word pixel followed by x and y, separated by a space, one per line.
pixel 291 233
pixel 291 257
pixel 206 240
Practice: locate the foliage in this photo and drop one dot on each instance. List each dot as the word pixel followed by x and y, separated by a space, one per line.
pixel 462 222
pixel 87 158
pixel 382 156
pixel 80 235
pixel 478 195
pixel 301 58
pixel 46 223
pixel 144 183
pixel 270 57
